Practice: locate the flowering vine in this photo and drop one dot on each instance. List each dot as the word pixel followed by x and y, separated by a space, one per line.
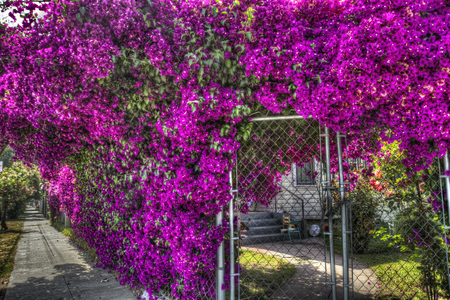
pixel 134 110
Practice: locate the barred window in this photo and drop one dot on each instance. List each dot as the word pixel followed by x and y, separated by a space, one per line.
pixel 304 175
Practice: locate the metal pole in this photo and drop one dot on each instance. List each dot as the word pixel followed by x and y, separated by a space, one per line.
pixel 447 187
pixel 231 213
pixel 277 118
pixel 220 271
pixel 447 183
pixel 446 227
pixel 330 216
pixel 344 219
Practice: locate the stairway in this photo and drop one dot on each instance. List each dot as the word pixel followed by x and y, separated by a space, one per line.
pixel 264 227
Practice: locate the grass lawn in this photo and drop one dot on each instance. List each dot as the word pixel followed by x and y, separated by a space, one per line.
pixel 398 274
pixel 262 274
pixel 9 240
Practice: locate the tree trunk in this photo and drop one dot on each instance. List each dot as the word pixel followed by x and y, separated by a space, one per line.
pixel 3 222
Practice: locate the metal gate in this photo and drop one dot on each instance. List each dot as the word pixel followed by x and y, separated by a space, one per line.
pixel 310 219
pixel 280 209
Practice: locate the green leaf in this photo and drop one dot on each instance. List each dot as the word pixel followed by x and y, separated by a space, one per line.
pixel 249 35
pixel 82 10
pixel 242 48
pixel 78 16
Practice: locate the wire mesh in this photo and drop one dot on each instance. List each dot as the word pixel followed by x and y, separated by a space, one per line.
pixel 398 218
pixel 397 241
pixel 281 212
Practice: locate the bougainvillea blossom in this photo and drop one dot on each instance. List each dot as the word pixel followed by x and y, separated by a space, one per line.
pixel 134 110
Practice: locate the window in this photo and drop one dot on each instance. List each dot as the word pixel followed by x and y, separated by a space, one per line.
pixel 304 175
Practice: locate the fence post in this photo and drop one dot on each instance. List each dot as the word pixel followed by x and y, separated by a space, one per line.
pixel 344 220
pixel 44 207
pixel 220 270
pixel 447 183
pixel 66 221
pixel 330 215
pixel 232 239
pixel 445 213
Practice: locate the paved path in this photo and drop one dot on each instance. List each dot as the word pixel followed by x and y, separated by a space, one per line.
pixel 48 266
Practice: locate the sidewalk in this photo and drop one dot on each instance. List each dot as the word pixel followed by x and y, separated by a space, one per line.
pixel 48 266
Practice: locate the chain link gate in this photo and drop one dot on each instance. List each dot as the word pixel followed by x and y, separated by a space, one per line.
pixel 280 210
pixel 387 226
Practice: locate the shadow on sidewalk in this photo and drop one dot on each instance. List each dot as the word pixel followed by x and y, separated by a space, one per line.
pixel 67 281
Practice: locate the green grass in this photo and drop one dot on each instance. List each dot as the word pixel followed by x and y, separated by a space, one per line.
pixel 398 274
pixel 9 240
pixel 263 274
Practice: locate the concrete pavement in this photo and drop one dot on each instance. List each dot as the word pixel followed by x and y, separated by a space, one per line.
pixel 49 266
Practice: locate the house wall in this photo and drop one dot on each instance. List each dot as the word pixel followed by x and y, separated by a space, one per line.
pixel 299 201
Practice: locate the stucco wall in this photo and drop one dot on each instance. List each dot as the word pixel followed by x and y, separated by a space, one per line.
pixel 291 197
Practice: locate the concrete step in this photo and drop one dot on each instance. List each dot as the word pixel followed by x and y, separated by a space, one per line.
pixel 263 222
pixel 264 230
pixel 265 238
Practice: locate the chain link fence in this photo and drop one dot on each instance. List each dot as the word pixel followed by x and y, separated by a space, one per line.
pixel 281 212
pixel 301 235
pixel 305 224
pixel 397 223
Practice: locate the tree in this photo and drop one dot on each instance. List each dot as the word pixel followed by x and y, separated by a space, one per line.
pixel 15 188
